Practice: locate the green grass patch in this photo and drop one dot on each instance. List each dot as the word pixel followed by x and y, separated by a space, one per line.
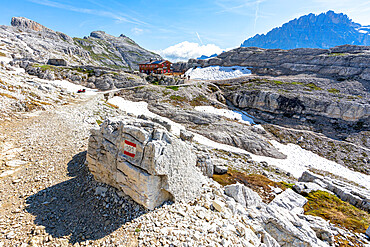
pixel 175 88
pixel 199 100
pixel 333 90
pixel 278 82
pixel 165 93
pixel 336 54
pixel 287 185
pixel 177 98
pixel 330 207
pixel 99 122
pixel 312 86
pixel 2 54
pixel 296 83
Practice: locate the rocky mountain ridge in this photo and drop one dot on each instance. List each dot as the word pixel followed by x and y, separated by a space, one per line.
pixel 325 30
pixel 342 62
pixel 28 40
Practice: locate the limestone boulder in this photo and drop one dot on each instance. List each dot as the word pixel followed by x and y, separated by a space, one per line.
pixel 290 200
pixel 144 160
pixel 243 195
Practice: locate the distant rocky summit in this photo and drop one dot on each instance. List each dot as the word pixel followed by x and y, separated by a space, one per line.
pixel 313 31
pixel 31 41
pixel 345 62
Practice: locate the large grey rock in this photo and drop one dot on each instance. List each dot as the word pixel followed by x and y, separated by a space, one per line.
pixel 143 160
pixel 220 170
pixel 57 62
pixel 291 201
pixel 280 221
pixel 305 188
pixel 243 195
pixel 320 226
pixel 277 103
pixel 205 164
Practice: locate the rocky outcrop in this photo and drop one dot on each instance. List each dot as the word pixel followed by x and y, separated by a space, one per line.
pixel 57 62
pixel 27 40
pixel 143 160
pixel 343 62
pixel 359 198
pixel 300 104
pixel 282 219
pixel 164 80
pixel 27 23
pixel 93 77
pixel 313 31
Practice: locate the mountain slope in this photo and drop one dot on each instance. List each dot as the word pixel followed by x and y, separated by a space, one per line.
pixel 313 31
pixel 31 41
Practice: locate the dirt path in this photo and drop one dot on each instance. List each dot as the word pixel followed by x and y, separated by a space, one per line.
pixel 50 197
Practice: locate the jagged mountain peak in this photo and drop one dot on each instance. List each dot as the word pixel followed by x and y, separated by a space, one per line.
pixel 98 49
pixel 324 30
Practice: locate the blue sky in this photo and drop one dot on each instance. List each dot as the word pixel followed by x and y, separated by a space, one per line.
pixel 159 24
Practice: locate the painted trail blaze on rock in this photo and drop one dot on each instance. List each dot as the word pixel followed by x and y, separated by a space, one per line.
pixel 129 149
pixel 144 160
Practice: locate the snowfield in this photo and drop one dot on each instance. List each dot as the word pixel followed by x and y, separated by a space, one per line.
pixel 236 115
pixel 217 73
pixel 298 160
pixel 69 86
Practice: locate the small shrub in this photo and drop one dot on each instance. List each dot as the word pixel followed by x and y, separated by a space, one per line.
pixel 2 54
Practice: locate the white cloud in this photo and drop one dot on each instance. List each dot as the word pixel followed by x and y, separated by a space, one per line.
pixel 187 50
pixel 137 31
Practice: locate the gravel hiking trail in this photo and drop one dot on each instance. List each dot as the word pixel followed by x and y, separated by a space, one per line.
pixel 48 197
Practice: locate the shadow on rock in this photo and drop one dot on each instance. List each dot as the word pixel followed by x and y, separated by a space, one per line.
pixel 81 208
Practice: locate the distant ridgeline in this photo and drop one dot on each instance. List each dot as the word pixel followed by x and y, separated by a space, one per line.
pixel 313 31
pixel 34 42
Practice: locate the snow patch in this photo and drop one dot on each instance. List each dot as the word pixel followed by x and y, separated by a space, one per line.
pixel 141 108
pixel 300 160
pixel 217 72
pixel 236 115
pixel 69 86
pixel 5 59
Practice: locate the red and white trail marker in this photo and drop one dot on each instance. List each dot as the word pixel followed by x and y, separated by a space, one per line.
pixel 129 149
